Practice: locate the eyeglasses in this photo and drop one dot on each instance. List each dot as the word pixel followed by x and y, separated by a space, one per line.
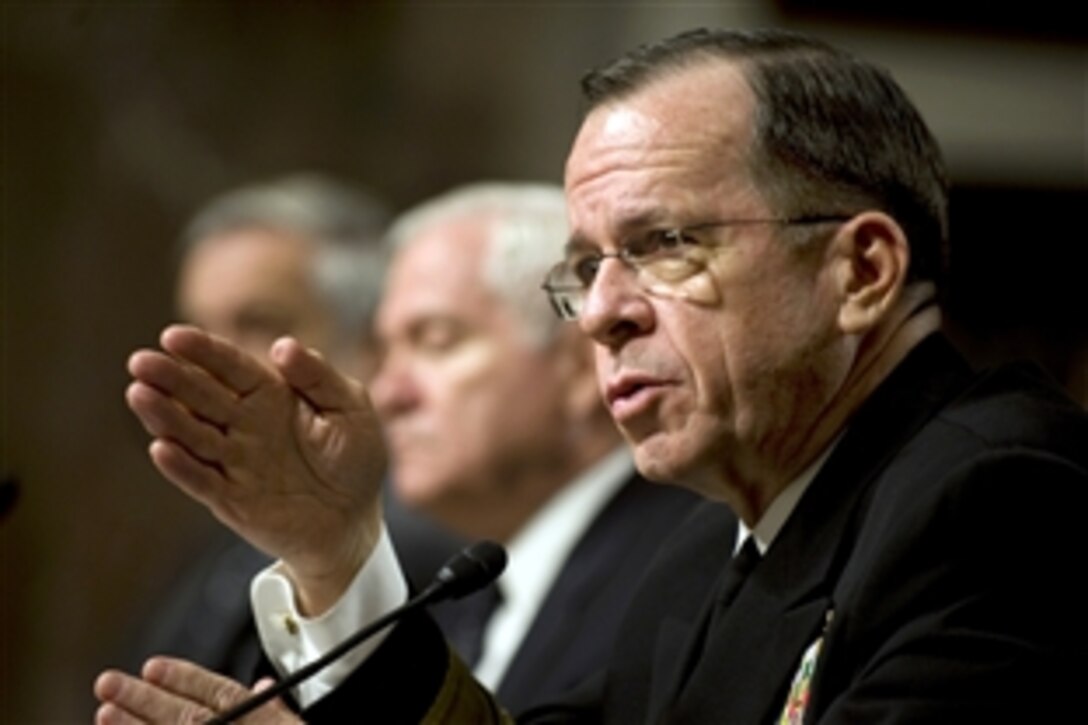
pixel 661 258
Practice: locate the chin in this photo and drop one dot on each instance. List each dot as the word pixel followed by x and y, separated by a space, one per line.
pixel 681 457
pixel 414 491
pixel 657 462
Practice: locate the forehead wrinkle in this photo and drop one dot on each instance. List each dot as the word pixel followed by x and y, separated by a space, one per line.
pixel 670 153
pixel 705 107
pixel 606 159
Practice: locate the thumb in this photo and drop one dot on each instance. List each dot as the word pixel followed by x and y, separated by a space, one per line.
pixel 263 684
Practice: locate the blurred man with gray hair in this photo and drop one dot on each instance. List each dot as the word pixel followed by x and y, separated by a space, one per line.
pixel 297 255
pixel 495 429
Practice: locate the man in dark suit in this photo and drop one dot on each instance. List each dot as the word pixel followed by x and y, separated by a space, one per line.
pixel 758 223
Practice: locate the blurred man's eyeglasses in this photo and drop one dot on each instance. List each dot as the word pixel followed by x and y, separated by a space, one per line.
pixel 661 258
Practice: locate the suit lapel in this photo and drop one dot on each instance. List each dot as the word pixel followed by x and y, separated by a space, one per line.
pixel 750 652
pixel 580 615
pixel 664 612
pixel 562 612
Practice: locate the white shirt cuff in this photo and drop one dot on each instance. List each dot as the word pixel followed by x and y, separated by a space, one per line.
pixel 292 641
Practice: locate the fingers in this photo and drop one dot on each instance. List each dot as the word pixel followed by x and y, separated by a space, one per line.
pixel 202 394
pixel 110 714
pixel 312 377
pixel 201 480
pixel 193 683
pixel 222 360
pixel 176 691
pixel 192 399
pixel 126 699
pixel 164 417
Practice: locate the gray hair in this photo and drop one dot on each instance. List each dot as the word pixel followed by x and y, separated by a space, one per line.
pixel 345 224
pixel 528 231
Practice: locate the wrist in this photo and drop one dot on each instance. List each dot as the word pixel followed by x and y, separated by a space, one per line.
pixel 320 580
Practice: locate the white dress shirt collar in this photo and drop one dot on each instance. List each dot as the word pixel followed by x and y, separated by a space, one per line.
pixel 776 515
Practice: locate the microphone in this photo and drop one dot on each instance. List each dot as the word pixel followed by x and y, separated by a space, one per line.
pixel 473 568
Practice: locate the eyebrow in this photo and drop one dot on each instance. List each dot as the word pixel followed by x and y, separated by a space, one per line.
pixel 647 218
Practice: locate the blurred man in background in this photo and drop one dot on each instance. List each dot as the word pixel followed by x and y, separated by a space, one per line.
pixel 300 255
pixel 496 429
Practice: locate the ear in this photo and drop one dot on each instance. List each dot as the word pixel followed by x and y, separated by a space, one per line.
pixel 872 259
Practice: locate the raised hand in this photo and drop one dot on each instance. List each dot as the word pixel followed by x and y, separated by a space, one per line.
pixel 176 691
pixel 289 456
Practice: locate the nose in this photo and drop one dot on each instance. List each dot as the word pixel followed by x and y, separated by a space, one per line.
pixel 393 390
pixel 615 309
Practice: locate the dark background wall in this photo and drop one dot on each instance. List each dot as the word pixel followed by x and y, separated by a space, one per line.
pixel 118 119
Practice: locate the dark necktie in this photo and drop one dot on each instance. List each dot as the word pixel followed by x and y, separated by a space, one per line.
pixel 466 634
pixel 740 566
pixel 736 572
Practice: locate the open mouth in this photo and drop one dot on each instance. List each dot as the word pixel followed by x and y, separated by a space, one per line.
pixel 631 393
